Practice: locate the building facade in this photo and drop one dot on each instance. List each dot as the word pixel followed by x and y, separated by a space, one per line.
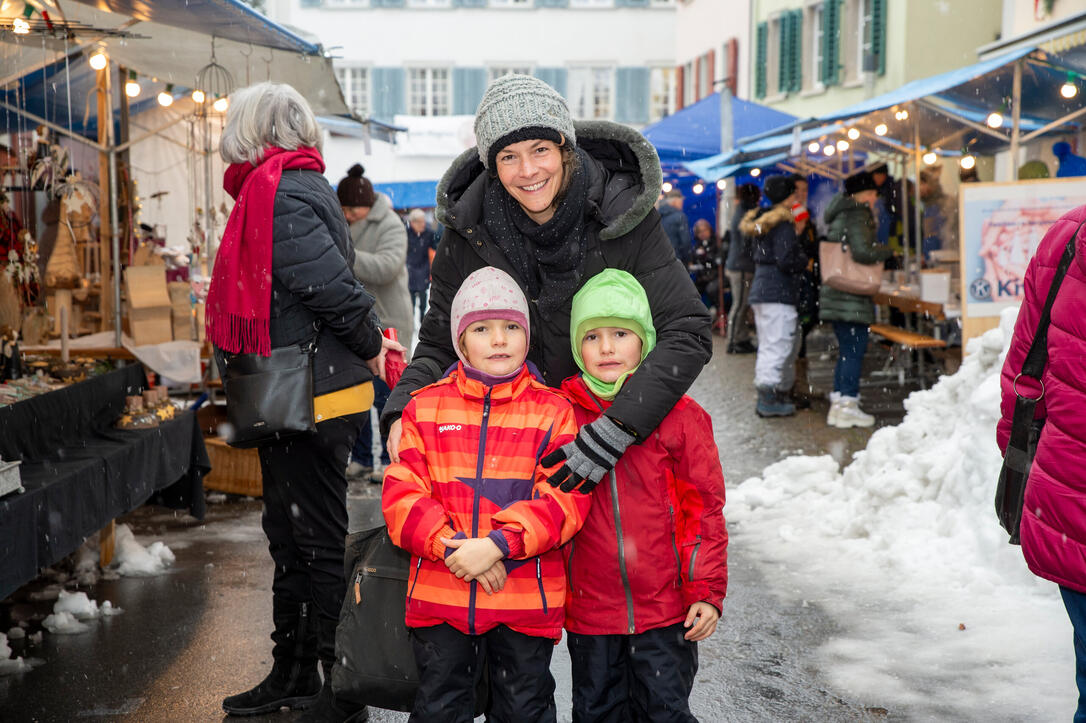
pixel 711 48
pixel 814 56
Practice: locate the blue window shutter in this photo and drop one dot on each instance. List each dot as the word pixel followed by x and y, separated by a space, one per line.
pixel 311 3
pixel 761 54
pixel 470 3
pixel 469 84
pixel 387 92
pixel 387 3
pixel 831 42
pixel 784 68
pixel 632 95
pixel 878 33
pixel 631 3
pixel 797 51
pixel 554 77
pixel 552 3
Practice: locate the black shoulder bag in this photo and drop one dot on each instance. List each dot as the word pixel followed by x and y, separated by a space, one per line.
pixel 1025 430
pixel 268 397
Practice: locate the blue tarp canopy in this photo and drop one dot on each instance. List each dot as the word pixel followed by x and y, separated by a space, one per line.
pixel 694 131
pixel 409 194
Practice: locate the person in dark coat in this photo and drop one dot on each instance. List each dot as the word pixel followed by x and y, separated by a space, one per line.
pixel 779 260
pixel 739 267
pixel 807 304
pixel 553 203
pixel 676 225
pixel 850 217
pixel 420 242
pixel 287 226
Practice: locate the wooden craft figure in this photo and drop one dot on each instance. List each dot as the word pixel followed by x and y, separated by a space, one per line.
pixel 77 210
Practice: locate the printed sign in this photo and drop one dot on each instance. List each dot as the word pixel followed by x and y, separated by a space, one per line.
pixel 1002 224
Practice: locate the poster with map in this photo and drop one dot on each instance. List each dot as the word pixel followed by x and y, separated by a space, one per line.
pixel 1001 226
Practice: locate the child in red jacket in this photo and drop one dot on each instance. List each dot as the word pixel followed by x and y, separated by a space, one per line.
pixel 469 499
pixel 648 571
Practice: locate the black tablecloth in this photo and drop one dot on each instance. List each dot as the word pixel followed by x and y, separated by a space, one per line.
pixel 79 473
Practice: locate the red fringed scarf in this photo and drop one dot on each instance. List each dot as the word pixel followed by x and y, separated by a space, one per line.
pixel 239 299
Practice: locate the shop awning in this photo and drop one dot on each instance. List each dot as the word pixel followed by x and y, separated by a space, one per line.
pixel 409 194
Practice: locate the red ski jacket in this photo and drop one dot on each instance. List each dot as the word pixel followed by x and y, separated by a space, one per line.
pixel 469 465
pixel 654 542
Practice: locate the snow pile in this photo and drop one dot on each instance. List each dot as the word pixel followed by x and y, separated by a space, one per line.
pixel 9 666
pixel 910 524
pixel 82 607
pixel 134 560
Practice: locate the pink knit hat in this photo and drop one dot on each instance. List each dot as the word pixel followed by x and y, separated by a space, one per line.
pixel 488 293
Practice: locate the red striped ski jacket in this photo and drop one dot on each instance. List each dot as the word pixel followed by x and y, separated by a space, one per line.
pixel 469 464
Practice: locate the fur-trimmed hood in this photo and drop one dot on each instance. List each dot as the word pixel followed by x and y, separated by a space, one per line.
pixel 624 180
pixel 759 221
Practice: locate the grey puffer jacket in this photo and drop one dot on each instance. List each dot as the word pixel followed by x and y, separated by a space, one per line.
pixel 624 232
pixel 778 255
pixel 313 287
pixel 380 263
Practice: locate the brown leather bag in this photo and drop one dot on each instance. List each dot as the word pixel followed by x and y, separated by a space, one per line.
pixel 840 272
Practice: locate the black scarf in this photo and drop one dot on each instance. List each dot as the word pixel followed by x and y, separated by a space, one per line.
pixel 547 257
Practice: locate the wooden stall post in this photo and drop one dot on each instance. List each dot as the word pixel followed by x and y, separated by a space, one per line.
pixel 106 541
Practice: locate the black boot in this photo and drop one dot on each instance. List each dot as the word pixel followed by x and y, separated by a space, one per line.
pixel 328 709
pixel 293 681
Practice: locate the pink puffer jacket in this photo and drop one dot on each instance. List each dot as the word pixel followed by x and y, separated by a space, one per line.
pixel 1054 514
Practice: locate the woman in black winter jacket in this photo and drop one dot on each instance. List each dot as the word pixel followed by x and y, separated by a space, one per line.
pixel 553 203
pixel 287 229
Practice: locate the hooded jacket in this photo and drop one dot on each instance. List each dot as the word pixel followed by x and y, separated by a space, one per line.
pixel 469 465
pixel 1053 527
pixel 677 229
pixel 850 222
pixel 623 229
pixel 380 263
pixel 419 246
pixel 654 542
pixel 778 255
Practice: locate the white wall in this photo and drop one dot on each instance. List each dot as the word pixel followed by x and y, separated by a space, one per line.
pixel 701 25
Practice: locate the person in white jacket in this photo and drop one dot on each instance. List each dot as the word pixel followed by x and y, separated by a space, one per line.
pixel 380 256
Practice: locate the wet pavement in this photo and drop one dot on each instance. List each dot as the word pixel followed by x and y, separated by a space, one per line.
pixel 199 632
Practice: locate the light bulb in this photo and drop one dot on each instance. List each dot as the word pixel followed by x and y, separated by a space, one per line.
pixel 904 114
pixel 813 147
pixel 930 158
pixel 666 187
pixel 131 88
pixel 197 96
pixel 881 129
pixel 829 149
pixel 1069 90
pixel 721 184
pixel 220 105
pixel 698 188
pixel 853 134
pixel 20 26
pixel 755 172
pixel 967 162
pixel 98 60
pixel 995 119
pixel 165 99
pixel 842 145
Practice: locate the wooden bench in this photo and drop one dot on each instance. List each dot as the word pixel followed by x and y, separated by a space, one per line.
pixel 910 340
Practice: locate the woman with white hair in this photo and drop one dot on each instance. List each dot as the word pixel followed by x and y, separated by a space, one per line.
pixel 282 277
pixel 421 243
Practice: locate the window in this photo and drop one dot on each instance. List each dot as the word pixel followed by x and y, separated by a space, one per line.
pixel 346 3
pixel 498 71
pixel 591 3
pixel 688 84
pixel 510 3
pixel 661 93
pixel 428 91
pixel 662 3
pixel 429 3
pixel 590 92
pixel 704 76
pixel 812 31
pixel 773 57
pixel 858 22
pixel 355 83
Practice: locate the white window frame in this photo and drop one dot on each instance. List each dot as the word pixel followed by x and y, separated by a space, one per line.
pixel 511 4
pixel 865 19
pixel 361 105
pixel 704 72
pixel 431 103
pixel 598 81
pixel 813 47
pixel 494 72
pixel 590 4
pixel 662 92
pixel 856 36
pixel 429 4
pixel 662 3
pixel 688 89
pixel 345 3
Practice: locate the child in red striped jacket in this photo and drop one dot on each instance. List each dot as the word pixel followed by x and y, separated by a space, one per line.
pixel 470 500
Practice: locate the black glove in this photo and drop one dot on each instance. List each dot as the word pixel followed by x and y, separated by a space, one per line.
pixel 588 457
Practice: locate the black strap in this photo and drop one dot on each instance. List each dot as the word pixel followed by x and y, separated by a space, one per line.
pixel 1037 357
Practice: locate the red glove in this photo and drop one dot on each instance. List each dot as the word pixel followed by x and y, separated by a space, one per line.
pixel 394 361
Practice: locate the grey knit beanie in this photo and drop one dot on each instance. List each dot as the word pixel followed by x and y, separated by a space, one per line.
pixel 515 103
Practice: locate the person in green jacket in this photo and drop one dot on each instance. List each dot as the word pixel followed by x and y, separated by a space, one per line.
pixel 851 220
